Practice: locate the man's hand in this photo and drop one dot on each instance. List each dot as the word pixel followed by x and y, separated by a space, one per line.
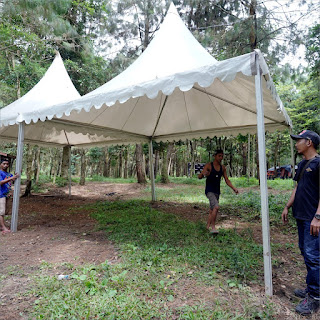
pixel 16 176
pixel 315 227
pixel 284 215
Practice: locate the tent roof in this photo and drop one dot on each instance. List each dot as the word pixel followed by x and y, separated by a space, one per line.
pixel 55 87
pixel 174 90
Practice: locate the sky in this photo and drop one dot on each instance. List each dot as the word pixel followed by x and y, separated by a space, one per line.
pixel 290 11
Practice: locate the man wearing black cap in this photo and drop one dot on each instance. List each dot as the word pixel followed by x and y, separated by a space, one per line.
pixel 305 205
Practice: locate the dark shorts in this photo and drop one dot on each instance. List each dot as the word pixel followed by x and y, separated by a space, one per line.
pixel 213 199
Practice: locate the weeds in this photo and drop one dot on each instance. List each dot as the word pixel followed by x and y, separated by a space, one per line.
pixel 158 251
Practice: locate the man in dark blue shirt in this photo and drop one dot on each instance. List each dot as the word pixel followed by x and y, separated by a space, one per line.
pixel 213 171
pixel 306 209
pixel 6 179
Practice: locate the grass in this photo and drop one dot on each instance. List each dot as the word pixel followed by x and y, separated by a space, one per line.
pixel 159 253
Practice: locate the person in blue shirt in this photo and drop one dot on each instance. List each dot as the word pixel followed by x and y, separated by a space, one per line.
pixel 305 205
pixel 213 171
pixel 6 179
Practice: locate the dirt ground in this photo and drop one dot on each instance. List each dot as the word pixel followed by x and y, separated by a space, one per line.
pixel 48 232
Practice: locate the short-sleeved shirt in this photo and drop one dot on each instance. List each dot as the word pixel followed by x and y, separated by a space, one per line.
pixel 213 180
pixel 307 194
pixel 6 187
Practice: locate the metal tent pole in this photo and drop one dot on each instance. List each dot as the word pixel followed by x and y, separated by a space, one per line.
pixel 153 187
pixel 17 184
pixel 263 185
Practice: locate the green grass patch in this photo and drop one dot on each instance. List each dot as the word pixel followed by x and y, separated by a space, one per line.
pixel 161 239
pixel 157 251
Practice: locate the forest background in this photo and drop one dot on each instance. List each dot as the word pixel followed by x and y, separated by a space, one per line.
pixel 99 39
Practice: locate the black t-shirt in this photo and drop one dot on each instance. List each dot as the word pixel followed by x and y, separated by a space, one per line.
pixel 213 180
pixel 307 195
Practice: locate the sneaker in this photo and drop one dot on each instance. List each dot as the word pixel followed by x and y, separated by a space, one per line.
pixel 301 293
pixel 308 305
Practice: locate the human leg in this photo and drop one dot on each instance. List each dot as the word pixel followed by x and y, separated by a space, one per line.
pixel 213 218
pixel 213 212
pixel 3 204
pixel 309 246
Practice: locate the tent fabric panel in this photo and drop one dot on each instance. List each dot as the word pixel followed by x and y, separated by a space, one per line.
pixel 174 115
pixel 143 118
pixel 232 115
pixel 202 111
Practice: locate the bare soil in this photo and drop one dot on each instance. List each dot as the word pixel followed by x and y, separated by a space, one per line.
pixel 49 232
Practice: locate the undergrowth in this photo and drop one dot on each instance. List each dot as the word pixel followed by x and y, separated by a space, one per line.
pixel 158 252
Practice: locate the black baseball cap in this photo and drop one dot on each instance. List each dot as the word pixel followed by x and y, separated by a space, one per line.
pixel 307 134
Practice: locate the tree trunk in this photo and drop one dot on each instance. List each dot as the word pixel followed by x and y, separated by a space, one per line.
pixel 106 166
pixel 276 149
pixel 141 175
pixel 83 167
pixel 65 161
pixel 120 165
pixel 125 171
pixel 36 164
pixel 28 172
pixel 244 159
pixel 230 159
pixel 254 26
pixel 156 163
pixel 17 77
pixel 165 163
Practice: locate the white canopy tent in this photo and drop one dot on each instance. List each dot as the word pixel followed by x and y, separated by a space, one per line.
pixel 174 90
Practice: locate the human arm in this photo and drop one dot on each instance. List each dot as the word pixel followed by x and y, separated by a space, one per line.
pixel 228 182
pixel 205 172
pixel 8 179
pixel 284 215
pixel 315 224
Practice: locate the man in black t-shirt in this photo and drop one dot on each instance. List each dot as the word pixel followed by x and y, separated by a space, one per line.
pixel 306 209
pixel 213 171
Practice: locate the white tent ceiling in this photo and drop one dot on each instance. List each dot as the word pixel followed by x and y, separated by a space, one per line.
pixel 174 90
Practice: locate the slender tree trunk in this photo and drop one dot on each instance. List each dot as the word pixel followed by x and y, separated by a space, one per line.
pixel 28 172
pixel 120 172
pixel 106 167
pixel 55 165
pixel 276 149
pixel 36 164
pixel 141 175
pixel 17 77
pixel 230 159
pixel 65 161
pixel 156 163
pixel 125 171
pixel 165 163
pixel 244 159
pixel 170 155
pixel 83 167
pixel 254 26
